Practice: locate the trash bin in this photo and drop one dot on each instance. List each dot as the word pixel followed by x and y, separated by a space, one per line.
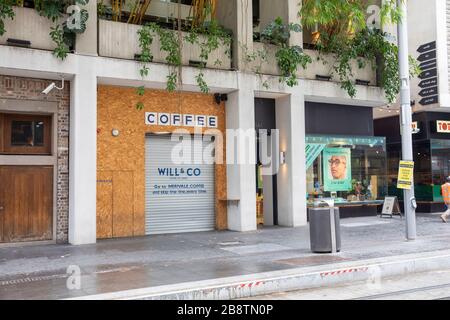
pixel 324 229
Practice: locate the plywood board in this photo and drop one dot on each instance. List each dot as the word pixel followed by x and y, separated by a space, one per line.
pixel 126 152
pixel 123 203
pixel 104 204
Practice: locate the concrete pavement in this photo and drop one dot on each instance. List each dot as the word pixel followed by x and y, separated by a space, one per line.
pixel 162 265
pixel 432 285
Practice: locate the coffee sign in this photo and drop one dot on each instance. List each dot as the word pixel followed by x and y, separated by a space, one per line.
pixel 180 120
pixel 443 126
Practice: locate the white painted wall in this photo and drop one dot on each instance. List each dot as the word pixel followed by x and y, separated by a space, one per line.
pixel 86 43
pixel 290 114
pixel 83 158
pixel 241 176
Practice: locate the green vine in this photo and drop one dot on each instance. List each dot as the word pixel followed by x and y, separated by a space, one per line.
pixel 145 36
pixel 214 36
pixel 6 12
pixel 259 57
pixel 289 58
pixel 63 35
pixel 367 46
pixel 341 31
pixel 57 35
pixel 169 44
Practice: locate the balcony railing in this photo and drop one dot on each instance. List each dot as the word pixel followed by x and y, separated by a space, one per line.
pixel 121 40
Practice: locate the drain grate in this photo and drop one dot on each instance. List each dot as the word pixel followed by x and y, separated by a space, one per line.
pixel 32 279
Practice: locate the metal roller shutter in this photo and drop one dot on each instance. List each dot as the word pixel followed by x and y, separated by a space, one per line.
pixel 179 198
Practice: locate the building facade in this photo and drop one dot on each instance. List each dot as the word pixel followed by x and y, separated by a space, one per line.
pixel 86 164
pixel 429 28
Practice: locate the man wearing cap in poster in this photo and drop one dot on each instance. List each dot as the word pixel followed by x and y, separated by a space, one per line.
pixel 445 190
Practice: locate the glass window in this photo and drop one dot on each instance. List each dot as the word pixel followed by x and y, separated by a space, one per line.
pixel 27 133
pixel 440 163
pixel 362 161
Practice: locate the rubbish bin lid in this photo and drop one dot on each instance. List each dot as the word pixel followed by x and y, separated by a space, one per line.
pixel 328 201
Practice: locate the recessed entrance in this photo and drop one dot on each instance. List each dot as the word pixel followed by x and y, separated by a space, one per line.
pixel 26 190
pixel 266 162
pixel 26 203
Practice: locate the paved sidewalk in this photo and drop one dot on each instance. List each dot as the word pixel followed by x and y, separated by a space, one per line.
pixel 39 272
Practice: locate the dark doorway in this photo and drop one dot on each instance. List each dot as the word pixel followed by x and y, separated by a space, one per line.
pixel 266 182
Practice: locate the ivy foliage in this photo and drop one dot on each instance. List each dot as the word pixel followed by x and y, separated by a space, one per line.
pixel 6 12
pixel 169 44
pixel 344 34
pixel 289 58
pixel 209 37
pixel 63 34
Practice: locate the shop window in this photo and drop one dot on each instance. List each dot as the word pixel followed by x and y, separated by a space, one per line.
pixel 349 169
pixel 25 134
pixel 440 164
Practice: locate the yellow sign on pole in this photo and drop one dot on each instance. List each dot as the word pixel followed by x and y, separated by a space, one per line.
pixel 405 175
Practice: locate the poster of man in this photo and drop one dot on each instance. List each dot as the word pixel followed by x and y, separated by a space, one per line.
pixel 337 169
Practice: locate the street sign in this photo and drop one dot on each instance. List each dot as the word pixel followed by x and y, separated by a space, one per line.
pixel 428 74
pixel 428 64
pixel 427 47
pixel 429 100
pixel 405 175
pixel 427 56
pixel 428 92
pixel 428 83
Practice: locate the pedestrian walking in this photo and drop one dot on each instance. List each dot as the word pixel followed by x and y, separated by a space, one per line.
pixel 445 190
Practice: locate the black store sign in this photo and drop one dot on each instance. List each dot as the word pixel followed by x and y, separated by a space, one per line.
pixel 429 80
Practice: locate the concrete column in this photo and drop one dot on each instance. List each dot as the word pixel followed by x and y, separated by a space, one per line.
pixel 86 43
pixel 292 175
pixel 241 157
pixel 83 157
pixel 287 10
pixel 237 15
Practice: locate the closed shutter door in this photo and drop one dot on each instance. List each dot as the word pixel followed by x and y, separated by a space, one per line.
pixel 179 198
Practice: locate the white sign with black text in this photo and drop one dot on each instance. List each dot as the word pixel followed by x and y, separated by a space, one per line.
pixel 390 206
pixel 180 120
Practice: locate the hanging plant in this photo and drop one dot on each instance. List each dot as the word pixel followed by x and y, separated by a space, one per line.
pixel 289 58
pixel 344 35
pixel 169 44
pixel 214 36
pixel 6 12
pixel 145 35
pixel 368 46
pixel 63 35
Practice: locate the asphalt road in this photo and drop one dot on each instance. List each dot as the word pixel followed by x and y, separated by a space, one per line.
pixel 424 286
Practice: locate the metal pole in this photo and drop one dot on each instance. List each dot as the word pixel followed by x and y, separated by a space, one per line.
pixel 406 116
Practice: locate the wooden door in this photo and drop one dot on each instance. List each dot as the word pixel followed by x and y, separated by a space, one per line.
pixel 26 203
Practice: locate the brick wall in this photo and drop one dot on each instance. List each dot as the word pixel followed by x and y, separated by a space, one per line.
pixel 30 89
